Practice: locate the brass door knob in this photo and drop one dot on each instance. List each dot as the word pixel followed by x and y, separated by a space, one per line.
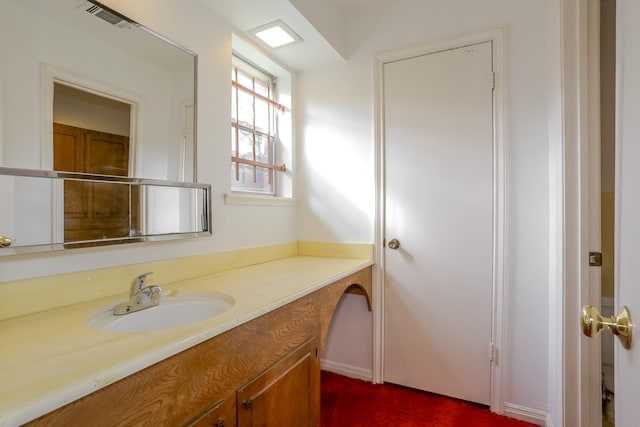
pixel 620 325
pixel 393 244
pixel 5 241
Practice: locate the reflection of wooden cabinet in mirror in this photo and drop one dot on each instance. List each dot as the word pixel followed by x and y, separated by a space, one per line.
pixel 93 210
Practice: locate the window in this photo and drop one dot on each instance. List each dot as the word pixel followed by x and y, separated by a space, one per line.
pixel 254 129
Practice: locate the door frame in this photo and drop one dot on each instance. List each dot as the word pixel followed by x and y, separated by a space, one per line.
pixel 593 206
pixel 499 312
pixel 574 364
pixel 52 74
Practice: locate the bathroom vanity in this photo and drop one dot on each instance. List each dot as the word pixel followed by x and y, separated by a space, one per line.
pixel 255 364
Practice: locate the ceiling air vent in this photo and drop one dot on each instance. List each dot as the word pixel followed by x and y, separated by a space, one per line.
pixel 104 14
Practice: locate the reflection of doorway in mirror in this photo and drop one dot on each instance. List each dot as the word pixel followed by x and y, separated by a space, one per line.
pixel 101 115
pixel 77 100
pixel 91 135
pixel 92 210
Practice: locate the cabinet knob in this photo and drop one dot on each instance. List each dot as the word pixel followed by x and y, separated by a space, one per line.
pixel 248 404
pixel 219 423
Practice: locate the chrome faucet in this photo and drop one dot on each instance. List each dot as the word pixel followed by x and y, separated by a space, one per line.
pixel 140 296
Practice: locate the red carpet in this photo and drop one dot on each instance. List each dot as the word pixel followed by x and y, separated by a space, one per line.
pixel 348 402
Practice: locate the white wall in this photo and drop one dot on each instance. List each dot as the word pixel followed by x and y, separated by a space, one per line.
pixel 337 188
pixel 194 26
pixel 27 220
pixel 93 113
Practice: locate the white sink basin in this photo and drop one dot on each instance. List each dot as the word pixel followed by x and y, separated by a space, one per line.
pixel 173 310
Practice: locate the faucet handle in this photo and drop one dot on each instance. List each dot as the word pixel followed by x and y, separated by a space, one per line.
pixel 139 282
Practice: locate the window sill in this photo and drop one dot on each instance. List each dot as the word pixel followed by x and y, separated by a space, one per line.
pixel 257 200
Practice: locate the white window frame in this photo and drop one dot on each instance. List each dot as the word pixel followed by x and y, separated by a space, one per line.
pixel 285 150
pixel 270 167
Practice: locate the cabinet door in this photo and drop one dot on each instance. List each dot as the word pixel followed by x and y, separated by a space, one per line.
pixel 93 210
pixel 284 395
pixel 223 414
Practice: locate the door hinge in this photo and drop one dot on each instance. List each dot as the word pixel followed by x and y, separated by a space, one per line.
pixel 493 80
pixel 595 259
pixel 492 352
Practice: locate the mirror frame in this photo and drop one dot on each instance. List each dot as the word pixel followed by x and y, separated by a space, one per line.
pixel 35 173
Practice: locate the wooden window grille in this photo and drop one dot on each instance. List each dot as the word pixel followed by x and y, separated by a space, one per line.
pixel 253 130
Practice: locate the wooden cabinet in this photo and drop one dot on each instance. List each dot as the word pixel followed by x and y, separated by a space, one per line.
pixel 284 395
pixel 93 210
pixel 264 372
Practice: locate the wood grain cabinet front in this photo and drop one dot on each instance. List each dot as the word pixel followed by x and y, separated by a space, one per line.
pixel 286 395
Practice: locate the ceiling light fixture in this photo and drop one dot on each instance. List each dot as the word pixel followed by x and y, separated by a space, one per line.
pixel 276 34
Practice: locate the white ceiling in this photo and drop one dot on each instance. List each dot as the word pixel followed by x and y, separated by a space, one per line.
pixel 321 24
pixel 355 5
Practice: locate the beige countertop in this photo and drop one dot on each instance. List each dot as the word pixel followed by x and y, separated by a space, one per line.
pixel 51 358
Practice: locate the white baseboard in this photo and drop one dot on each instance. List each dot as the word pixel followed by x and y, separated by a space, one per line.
pixel 536 416
pixel 346 370
pixel 549 421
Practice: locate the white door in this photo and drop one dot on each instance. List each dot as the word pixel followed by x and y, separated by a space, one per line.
pixel 438 136
pixel 627 364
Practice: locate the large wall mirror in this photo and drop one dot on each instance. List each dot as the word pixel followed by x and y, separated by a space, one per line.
pixel 81 65
pixel 97 129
